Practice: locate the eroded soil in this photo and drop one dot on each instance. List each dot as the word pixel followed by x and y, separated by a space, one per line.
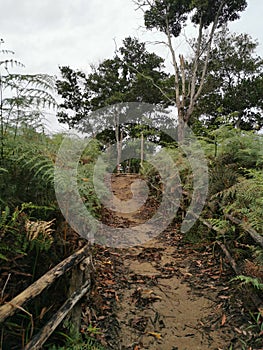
pixel 163 294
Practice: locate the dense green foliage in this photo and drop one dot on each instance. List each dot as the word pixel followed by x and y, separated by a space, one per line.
pixel 172 14
pixel 219 92
pixel 132 75
pixel 33 237
pixel 169 17
pixel 233 88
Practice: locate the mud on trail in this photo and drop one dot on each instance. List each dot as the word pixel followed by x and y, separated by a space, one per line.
pixel 164 294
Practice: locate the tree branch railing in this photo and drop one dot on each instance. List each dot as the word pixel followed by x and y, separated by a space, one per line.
pixel 254 298
pixel 253 234
pixel 40 338
pixel 71 262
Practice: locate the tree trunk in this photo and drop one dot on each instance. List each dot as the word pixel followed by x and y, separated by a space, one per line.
pixel 119 150
pixel 142 150
pixel 119 138
pixel 181 126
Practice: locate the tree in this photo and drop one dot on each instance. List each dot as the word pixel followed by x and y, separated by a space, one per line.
pixel 233 89
pixel 132 75
pixel 169 17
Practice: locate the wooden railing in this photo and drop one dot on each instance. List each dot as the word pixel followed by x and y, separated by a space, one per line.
pixel 256 300
pixel 81 265
pixel 80 262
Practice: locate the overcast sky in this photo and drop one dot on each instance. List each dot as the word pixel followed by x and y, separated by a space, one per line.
pixel 47 33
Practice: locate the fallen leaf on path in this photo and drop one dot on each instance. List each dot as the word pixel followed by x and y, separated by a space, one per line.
pixel 223 296
pixel 147 292
pixel 156 335
pixel 109 282
pixel 223 320
pixel 238 330
pixel 85 179
pixel 215 277
pixel 188 274
pixel 105 307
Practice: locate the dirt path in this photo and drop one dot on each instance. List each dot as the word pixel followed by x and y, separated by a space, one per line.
pixel 169 296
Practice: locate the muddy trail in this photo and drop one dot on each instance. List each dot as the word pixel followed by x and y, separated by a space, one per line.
pixel 164 294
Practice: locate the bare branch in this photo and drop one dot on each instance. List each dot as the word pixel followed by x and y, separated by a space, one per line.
pixel 175 65
pixel 152 81
pixel 194 70
pixel 196 60
pixel 140 4
pixel 182 67
pixel 211 36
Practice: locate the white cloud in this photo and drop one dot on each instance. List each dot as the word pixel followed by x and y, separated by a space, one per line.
pixel 250 23
pixel 49 33
pixel 46 34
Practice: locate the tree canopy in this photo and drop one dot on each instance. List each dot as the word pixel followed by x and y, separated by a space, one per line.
pixel 233 89
pixel 169 17
pixel 132 75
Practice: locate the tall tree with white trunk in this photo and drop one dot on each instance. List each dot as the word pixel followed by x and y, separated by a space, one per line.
pixel 170 17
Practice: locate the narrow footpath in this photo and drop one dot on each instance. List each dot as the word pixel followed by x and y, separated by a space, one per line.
pixel 165 294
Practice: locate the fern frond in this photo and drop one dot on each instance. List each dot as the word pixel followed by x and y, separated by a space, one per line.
pixel 249 280
pixel 36 228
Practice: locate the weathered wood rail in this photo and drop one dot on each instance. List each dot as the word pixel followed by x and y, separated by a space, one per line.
pixel 257 301
pixel 253 234
pixel 40 338
pixel 81 264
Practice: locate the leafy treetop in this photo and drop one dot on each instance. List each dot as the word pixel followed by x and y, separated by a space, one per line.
pixel 171 15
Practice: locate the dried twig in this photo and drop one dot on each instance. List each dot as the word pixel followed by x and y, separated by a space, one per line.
pixel 6 282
